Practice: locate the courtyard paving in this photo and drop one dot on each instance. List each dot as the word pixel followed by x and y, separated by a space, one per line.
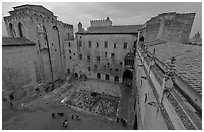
pixel 36 114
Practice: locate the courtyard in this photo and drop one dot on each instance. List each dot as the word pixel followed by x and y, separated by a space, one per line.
pixel 98 103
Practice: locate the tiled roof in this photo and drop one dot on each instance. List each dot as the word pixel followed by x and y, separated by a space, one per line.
pixel 16 41
pixel 188 61
pixel 125 29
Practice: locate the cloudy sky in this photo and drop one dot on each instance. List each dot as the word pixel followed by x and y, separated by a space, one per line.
pixel 120 13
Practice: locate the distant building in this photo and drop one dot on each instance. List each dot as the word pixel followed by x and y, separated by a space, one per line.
pixel 102 49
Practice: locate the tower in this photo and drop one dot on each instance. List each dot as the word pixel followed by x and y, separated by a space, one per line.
pixel 41 26
pixel 79 26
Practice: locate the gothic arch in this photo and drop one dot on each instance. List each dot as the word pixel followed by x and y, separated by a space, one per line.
pixel 57 46
pixel 76 75
pixel 99 75
pixel 20 29
pixel 127 77
pixel 56 34
pixel 107 77
pixel 11 30
pixel 116 79
pixel 129 59
pixel 141 39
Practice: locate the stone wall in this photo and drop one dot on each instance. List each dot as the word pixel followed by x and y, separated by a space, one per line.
pixel 19 64
pixel 71 56
pixel 50 42
pixel 172 27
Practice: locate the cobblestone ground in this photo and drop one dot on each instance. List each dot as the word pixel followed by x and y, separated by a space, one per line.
pixel 36 114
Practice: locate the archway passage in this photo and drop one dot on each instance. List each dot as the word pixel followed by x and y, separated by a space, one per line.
pixel 116 79
pixel 127 77
pixel 107 77
pixel 75 75
pixel 99 75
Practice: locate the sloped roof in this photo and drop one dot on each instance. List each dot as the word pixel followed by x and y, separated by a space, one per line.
pixel 16 41
pixel 124 29
pixel 188 61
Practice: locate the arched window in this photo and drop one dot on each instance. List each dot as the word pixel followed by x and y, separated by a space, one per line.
pixel 107 77
pixel 20 29
pixel 141 39
pixel 141 42
pixel 75 75
pixel 68 35
pixel 11 30
pixel 98 75
pixel 129 59
pixel 116 79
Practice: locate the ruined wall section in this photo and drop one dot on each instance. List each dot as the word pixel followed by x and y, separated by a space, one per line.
pixel 177 27
pixel 56 32
pixel 152 29
pixel 172 27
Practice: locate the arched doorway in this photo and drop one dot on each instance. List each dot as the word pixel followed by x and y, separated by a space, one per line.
pixel 107 77
pixel 127 77
pixel 20 29
pixel 99 75
pixel 75 75
pixel 116 79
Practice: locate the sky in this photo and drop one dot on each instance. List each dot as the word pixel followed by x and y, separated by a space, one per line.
pixel 121 13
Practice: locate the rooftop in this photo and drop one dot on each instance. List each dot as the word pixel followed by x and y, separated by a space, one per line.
pixel 16 41
pixel 188 61
pixel 125 29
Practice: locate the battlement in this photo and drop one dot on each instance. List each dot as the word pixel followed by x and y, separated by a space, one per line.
pixel 101 23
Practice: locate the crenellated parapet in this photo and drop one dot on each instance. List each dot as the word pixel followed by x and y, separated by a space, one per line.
pixel 100 23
